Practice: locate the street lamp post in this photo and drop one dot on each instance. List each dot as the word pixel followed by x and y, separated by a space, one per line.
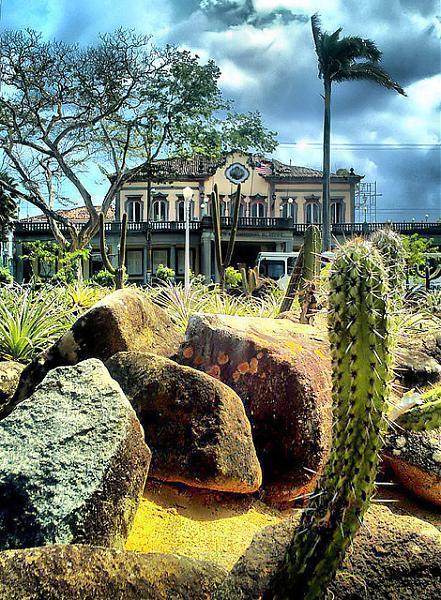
pixel 188 194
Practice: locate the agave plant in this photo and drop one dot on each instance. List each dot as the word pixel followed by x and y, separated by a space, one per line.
pixel 30 321
pixel 178 301
pixel 81 297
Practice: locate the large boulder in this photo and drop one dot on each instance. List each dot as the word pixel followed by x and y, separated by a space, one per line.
pixel 281 371
pixel 392 557
pixel 10 372
pixel 78 572
pixel 415 458
pixel 124 320
pixel 73 462
pixel 196 426
pixel 415 367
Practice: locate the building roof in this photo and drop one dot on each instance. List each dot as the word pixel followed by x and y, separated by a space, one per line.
pixel 201 167
pixel 78 214
pixel 197 167
pixel 282 171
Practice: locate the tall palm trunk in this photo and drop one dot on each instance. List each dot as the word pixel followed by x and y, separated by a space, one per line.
pixel 326 213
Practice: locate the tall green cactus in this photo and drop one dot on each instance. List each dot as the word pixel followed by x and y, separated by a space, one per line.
pixel 311 253
pixel 425 416
pixel 359 332
pixel 306 270
pixel 221 261
pixel 118 272
pixel 294 283
pixel 310 273
pixel 250 280
pixel 390 246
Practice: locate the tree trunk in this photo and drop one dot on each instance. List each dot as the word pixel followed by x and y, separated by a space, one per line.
pixel 326 213
pixel 149 257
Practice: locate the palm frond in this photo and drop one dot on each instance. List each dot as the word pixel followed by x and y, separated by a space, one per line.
pixel 316 31
pixel 369 71
pixel 352 48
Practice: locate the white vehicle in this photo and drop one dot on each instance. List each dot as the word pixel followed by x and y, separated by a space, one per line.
pixel 279 265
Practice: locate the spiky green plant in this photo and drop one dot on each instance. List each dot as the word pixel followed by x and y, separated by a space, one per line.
pixel 425 416
pixel 30 321
pixel 361 358
pixel 390 246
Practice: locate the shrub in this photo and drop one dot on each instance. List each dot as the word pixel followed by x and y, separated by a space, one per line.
pixel 164 273
pixel 233 278
pixel 5 276
pixel 104 278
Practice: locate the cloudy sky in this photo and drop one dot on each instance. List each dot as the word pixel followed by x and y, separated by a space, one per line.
pixel 264 49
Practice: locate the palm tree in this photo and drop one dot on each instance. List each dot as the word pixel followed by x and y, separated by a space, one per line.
pixel 343 59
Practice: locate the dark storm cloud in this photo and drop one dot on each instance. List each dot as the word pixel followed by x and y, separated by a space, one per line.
pixel 230 13
pixel 409 181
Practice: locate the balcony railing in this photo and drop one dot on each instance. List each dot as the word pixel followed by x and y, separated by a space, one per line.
pixel 266 223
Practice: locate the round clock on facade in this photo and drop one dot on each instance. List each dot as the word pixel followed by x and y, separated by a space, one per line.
pixel 237 173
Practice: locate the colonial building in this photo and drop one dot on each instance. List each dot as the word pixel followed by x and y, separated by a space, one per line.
pixel 277 202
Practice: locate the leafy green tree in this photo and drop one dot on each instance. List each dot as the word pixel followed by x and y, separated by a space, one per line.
pixel 416 248
pixel 116 105
pixel 343 59
pixel 54 263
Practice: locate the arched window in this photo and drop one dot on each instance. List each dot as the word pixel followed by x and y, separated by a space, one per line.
pixel 258 209
pixel 159 209
pixel 288 210
pixel 134 209
pixel 180 210
pixel 312 212
pixel 258 206
pixel 232 205
pixel 337 211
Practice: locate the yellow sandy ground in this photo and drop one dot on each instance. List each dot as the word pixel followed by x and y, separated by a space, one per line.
pixel 219 527
pixel 199 524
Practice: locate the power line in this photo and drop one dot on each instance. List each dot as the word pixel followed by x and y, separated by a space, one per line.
pixel 361 146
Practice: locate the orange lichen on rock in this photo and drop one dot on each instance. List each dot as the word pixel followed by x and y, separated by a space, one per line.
pixel 188 352
pixel 223 358
pixel 243 367
pixel 254 363
pixel 214 371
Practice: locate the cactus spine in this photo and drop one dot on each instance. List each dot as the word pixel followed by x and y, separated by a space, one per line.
pixel 221 262
pixel 118 272
pixel 425 416
pixel 390 246
pixel 361 367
